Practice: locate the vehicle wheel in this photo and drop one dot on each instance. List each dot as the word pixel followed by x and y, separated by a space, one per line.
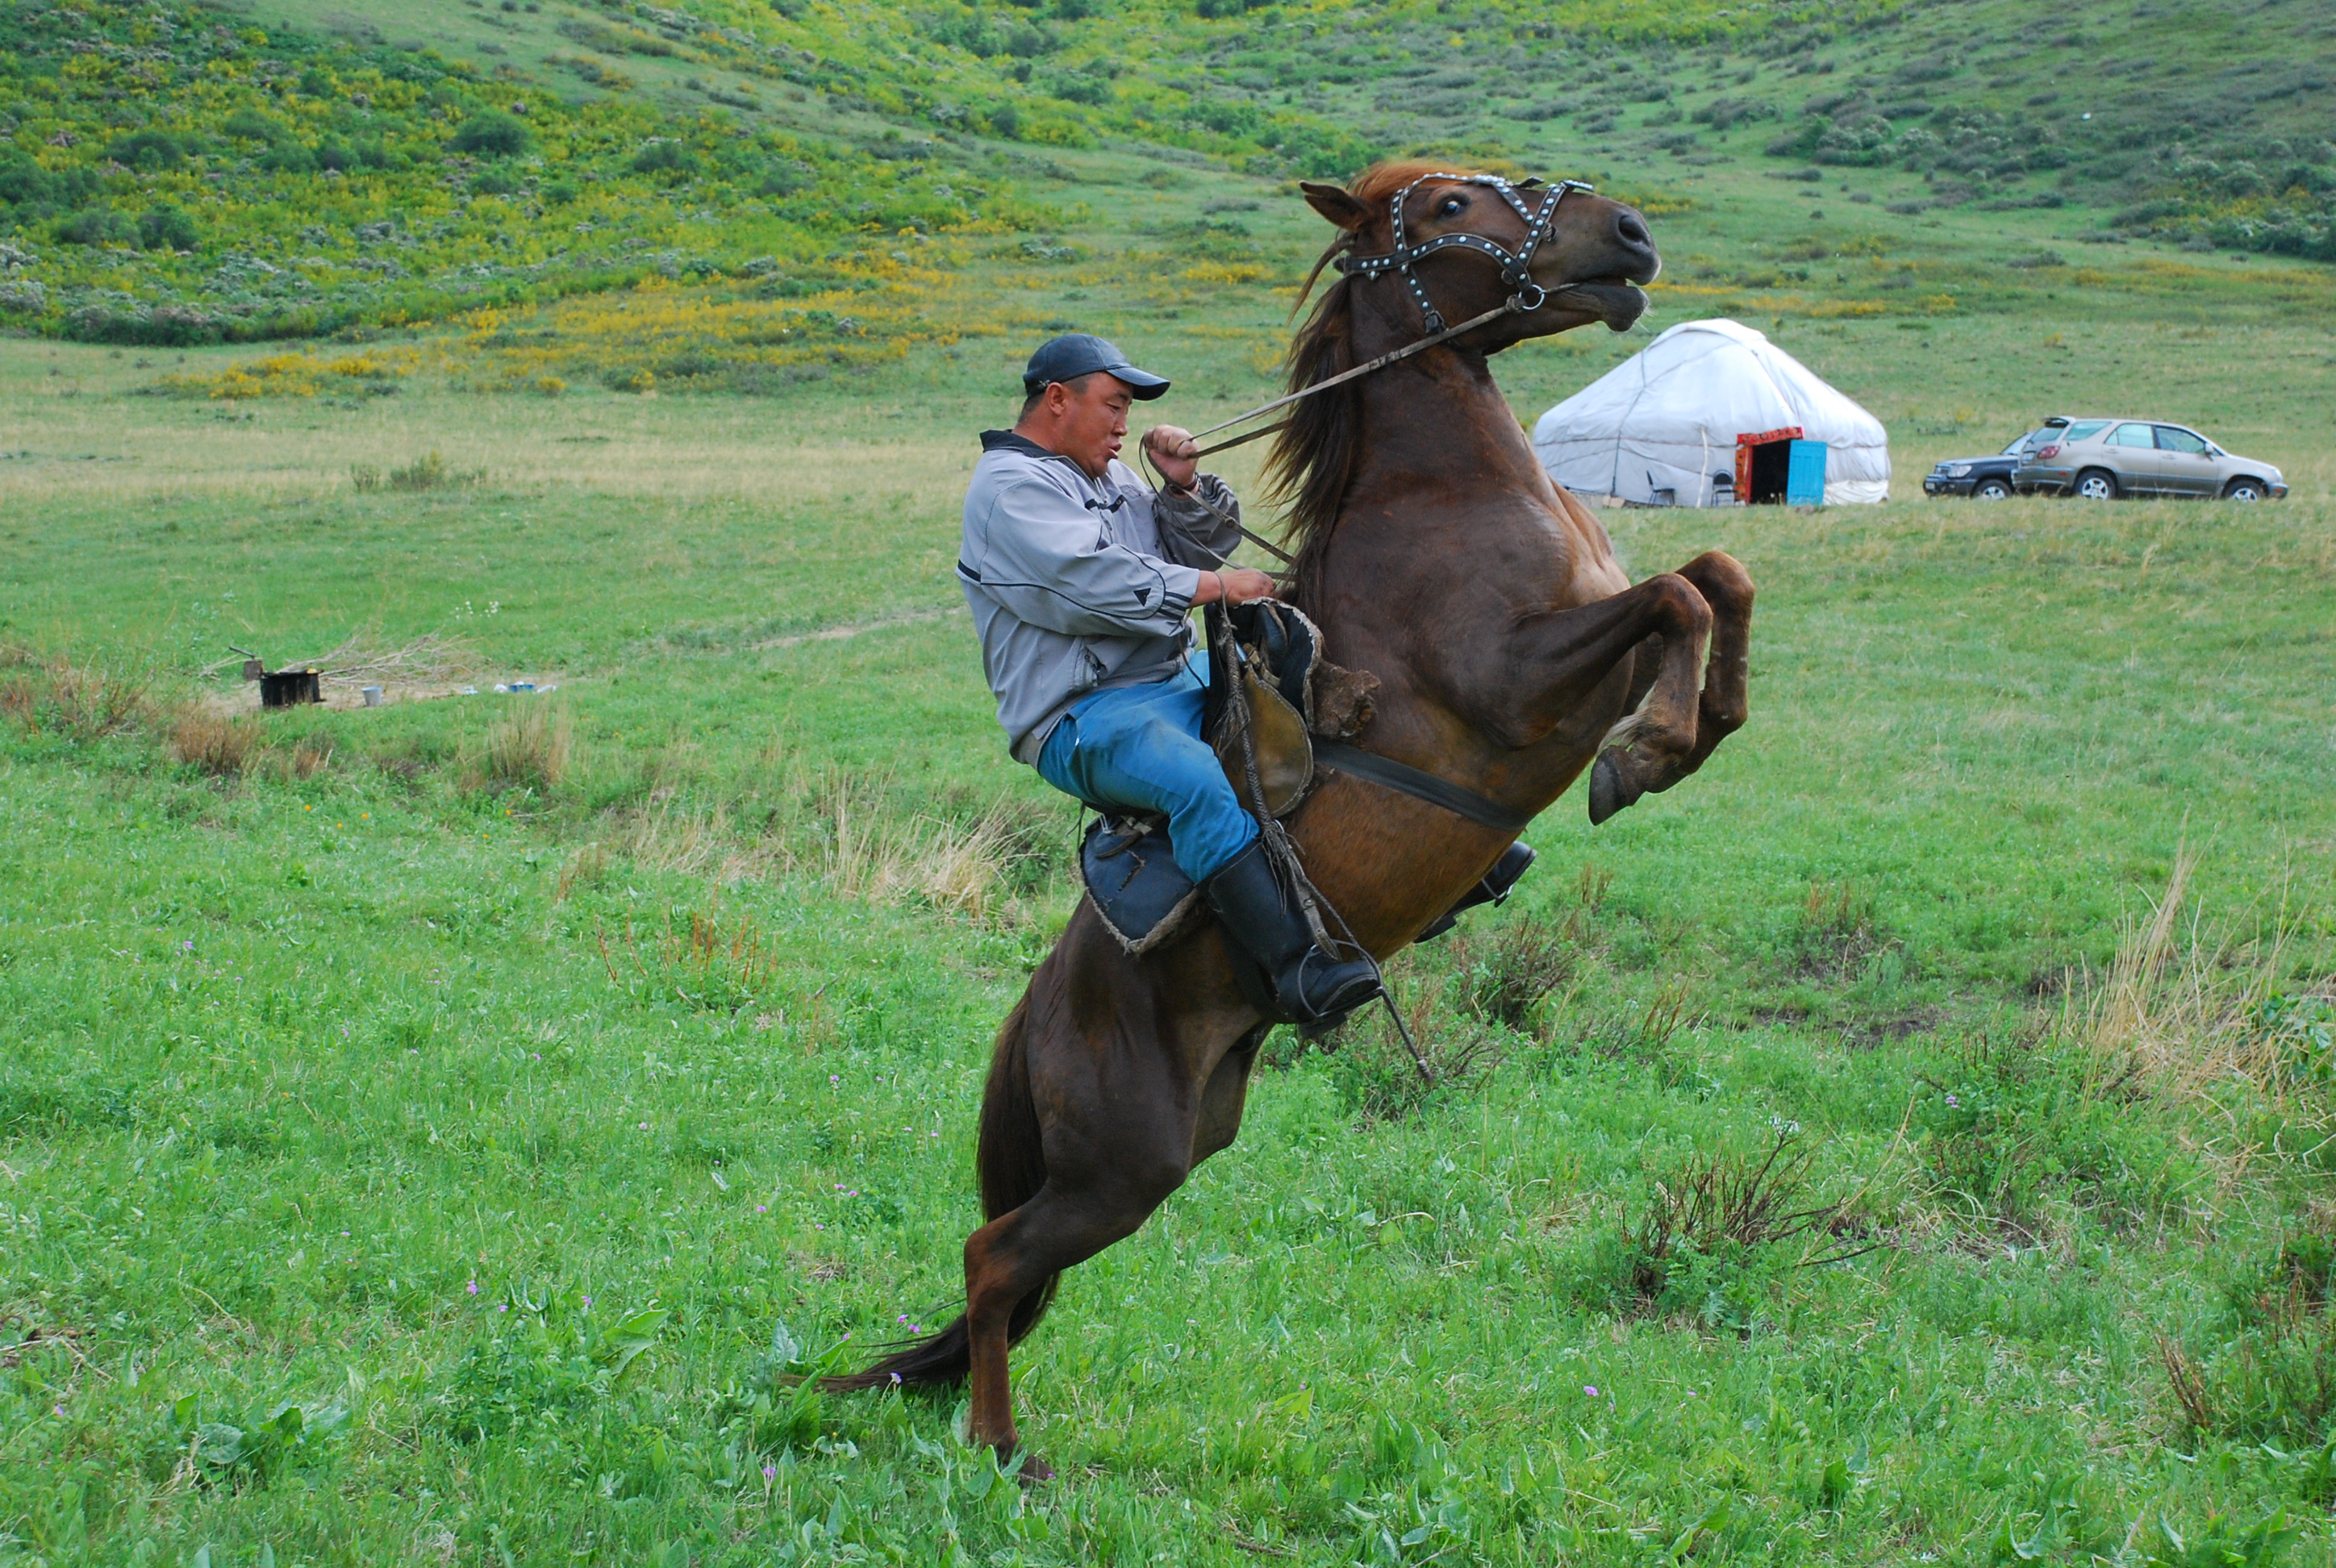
pixel 1991 489
pixel 2095 484
pixel 2243 490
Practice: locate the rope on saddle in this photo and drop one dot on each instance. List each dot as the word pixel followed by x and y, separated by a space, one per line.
pixel 1283 852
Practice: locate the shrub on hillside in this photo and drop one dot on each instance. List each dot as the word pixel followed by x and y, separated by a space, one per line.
pixel 492 133
pixel 149 151
pixel 248 124
pixel 665 158
pixel 165 227
pixel 33 191
pixel 96 225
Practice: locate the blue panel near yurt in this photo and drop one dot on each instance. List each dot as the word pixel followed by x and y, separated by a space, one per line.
pixel 1805 478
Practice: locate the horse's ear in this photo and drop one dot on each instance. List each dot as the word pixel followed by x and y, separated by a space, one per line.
pixel 1333 202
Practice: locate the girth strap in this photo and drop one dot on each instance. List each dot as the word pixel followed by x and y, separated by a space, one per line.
pixel 1411 781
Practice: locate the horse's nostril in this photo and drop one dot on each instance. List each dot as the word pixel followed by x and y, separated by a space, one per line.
pixel 1632 229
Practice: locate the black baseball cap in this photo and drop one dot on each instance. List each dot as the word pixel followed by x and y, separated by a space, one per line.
pixel 1077 354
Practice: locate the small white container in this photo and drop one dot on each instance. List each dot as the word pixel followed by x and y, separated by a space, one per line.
pixel 372 694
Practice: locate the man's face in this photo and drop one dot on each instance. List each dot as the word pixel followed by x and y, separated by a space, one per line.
pixel 1090 421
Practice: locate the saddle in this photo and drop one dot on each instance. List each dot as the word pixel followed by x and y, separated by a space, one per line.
pixel 1274 654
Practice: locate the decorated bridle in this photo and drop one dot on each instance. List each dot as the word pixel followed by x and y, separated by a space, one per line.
pixel 1516 266
pixel 1516 271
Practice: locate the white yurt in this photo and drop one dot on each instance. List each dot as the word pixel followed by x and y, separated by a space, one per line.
pixel 1662 428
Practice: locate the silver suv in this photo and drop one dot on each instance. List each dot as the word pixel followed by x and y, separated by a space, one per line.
pixel 2103 459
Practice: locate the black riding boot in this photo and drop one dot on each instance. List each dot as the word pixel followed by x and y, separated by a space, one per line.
pixel 1307 985
pixel 1493 889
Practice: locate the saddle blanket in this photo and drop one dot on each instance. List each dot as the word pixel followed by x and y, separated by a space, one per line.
pixel 1135 883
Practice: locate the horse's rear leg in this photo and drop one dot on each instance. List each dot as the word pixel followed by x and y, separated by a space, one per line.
pixel 1019 1254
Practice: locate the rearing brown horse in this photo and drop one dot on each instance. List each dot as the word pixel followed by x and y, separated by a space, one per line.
pixel 1435 553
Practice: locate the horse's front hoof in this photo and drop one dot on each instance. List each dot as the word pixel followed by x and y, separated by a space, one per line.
pixel 1035 1470
pixel 1612 787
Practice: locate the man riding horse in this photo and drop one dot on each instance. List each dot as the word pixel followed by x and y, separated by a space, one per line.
pixel 1510 655
pixel 1081 579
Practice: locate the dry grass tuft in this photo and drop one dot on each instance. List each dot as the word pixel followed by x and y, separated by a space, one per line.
pixel 953 867
pixel 310 758
pixel 214 743
pixel 2182 1010
pixel 51 693
pixel 688 844
pixel 530 746
pixel 586 866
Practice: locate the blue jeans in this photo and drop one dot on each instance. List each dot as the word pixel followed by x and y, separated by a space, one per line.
pixel 1139 749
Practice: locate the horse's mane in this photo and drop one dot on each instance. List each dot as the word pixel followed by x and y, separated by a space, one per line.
pixel 1313 459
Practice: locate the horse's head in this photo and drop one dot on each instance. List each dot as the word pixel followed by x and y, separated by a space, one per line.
pixel 1587 262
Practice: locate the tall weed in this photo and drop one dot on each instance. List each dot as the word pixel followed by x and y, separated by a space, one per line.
pixel 2271 1376
pixel 220 745
pixel 529 747
pixel 1506 978
pixel 712 959
pixel 2183 1009
pixel 1375 1074
pixel 52 694
pixel 1709 1241
pixel 964 867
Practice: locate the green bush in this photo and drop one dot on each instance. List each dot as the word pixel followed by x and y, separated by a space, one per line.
pixel 147 150
pixel 96 226
pixel 165 227
pixel 490 134
pixel 664 157
pixel 37 191
pixel 248 124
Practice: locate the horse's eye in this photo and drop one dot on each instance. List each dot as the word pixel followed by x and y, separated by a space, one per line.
pixel 1450 205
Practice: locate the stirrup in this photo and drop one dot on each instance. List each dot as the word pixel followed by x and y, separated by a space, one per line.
pixel 1493 888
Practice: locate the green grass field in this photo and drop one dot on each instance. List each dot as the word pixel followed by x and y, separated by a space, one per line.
pixel 440 1132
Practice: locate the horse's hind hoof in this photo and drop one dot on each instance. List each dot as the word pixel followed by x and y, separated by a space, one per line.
pixel 1611 787
pixel 1034 1471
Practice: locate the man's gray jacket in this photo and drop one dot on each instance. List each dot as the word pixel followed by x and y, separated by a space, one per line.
pixel 1079 585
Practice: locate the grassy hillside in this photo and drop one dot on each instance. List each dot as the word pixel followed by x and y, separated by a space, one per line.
pixel 185 174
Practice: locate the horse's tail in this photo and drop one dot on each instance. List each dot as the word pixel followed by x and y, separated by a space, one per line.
pixel 1012 1161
